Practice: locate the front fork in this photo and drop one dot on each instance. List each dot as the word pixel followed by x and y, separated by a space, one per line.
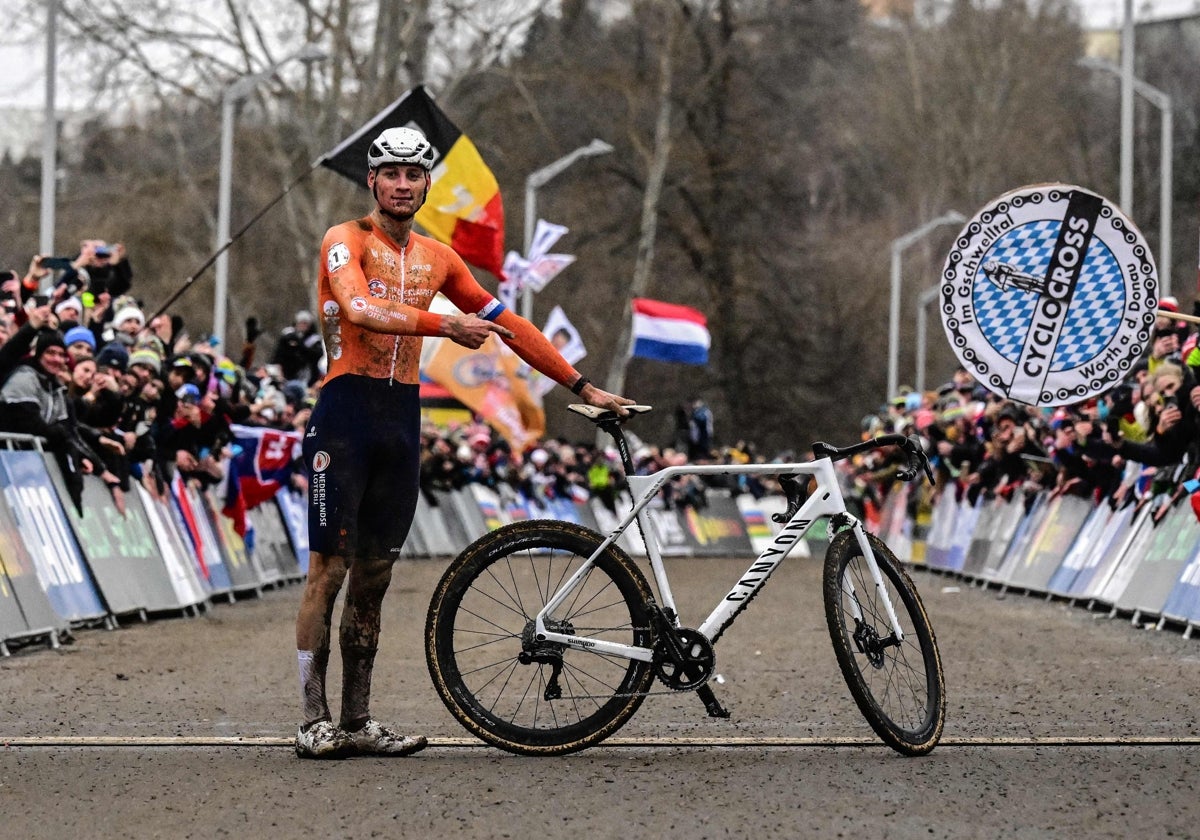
pixel 841 522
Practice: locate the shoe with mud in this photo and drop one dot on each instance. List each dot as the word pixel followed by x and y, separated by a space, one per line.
pixel 375 739
pixel 323 740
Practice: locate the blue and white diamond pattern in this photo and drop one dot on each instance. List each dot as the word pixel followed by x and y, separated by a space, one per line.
pixel 1005 316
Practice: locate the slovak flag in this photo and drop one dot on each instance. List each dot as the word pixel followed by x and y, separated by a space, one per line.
pixel 264 463
pixel 669 332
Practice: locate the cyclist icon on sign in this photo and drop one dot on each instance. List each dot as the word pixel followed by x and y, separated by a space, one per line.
pixel 1048 295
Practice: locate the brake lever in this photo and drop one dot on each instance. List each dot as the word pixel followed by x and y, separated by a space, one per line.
pixel 918 461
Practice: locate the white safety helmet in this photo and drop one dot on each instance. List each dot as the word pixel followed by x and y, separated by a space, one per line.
pixel 401 145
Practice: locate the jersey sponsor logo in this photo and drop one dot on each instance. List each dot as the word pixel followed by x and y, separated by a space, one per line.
pixel 320 460
pixel 331 308
pixel 358 304
pixel 337 256
pixel 491 311
pixel 376 287
pixel 1048 295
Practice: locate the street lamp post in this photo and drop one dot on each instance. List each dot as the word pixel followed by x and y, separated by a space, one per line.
pixel 532 183
pixel 234 93
pixel 1162 101
pixel 898 246
pixel 927 297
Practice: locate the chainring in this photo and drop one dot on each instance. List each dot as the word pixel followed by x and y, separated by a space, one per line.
pixel 699 661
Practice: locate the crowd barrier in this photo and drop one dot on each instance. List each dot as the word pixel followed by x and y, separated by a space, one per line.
pixel 1140 560
pixel 178 554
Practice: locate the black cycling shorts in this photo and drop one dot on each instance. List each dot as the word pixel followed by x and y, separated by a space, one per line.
pixel 363 452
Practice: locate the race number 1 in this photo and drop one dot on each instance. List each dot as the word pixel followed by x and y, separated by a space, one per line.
pixel 1048 295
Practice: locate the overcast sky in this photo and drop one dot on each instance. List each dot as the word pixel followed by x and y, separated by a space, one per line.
pixel 22 82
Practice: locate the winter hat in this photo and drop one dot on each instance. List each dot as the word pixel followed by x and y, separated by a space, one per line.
pixel 67 302
pixel 113 355
pixel 148 358
pixel 45 340
pixel 1168 303
pixel 125 313
pixel 188 393
pixel 83 334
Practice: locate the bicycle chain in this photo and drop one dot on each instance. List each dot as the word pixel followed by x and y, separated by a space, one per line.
pixel 668 690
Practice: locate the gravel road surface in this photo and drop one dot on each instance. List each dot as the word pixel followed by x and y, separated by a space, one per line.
pixel 1060 723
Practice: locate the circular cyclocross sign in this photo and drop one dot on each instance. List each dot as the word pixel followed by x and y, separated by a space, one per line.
pixel 1049 294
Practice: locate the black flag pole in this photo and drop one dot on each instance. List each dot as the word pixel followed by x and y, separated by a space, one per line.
pixel 234 238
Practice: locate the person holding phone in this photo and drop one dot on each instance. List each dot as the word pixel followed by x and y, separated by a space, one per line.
pixel 37 315
pixel 1175 400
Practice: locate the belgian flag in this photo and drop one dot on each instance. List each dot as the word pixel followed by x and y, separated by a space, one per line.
pixel 464 209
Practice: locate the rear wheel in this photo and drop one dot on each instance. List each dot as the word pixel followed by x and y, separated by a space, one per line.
pixel 503 685
pixel 897 684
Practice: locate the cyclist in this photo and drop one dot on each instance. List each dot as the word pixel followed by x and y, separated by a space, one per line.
pixel 362 445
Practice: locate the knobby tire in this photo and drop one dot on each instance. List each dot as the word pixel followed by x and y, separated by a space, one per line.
pixel 485 604
pixel 899 688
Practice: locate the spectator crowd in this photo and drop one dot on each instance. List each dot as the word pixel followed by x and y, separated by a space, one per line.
pixel 129 396
pixel 130 399
pixel 1140 439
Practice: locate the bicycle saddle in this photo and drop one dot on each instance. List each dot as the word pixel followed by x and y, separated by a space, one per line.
pixel 600 415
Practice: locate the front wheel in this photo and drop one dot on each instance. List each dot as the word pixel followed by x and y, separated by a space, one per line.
pixel 497 679
pixel 896 683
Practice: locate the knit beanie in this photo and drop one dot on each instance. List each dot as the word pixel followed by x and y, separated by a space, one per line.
pixel 45 340
pixel 147 357
pixel 80 334
pixel 126 313
pixel 113 355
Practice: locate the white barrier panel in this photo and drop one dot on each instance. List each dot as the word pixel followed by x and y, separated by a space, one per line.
pixel 761 528
pixel 1010 518
pixel 1118 575
pixel 466 510
pixel 184 578
pixel 490 507
pixel 1028 531
pixel 435 533
pixel 1077 556
pixel 941 531
pixel 895 528
pixel 965 520
pixel 1174 543
pixel 191 523
pixel 1064 519
pixel 119 549
pixel 293 511
pixel 1105 552
pixel 41 525
pixel 25 608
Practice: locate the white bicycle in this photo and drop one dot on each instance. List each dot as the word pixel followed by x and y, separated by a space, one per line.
pixel 543 637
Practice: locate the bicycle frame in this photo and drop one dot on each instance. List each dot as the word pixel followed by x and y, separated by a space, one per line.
pixel 827 500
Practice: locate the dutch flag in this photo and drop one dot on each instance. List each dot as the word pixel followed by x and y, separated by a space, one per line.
pixel 669 332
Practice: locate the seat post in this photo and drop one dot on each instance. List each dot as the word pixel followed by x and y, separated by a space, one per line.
pixel 613 428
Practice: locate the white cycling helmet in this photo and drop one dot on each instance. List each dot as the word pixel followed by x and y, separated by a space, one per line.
pixel 401 145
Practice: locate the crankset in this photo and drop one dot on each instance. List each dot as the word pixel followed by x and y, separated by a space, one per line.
pixel 685 662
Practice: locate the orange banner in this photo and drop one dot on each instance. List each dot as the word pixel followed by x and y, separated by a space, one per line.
pixel 487 382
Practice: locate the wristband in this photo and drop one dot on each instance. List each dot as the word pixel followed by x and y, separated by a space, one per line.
pixel 580 383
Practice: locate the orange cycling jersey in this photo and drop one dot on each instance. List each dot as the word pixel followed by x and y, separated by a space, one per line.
pixel 374 301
